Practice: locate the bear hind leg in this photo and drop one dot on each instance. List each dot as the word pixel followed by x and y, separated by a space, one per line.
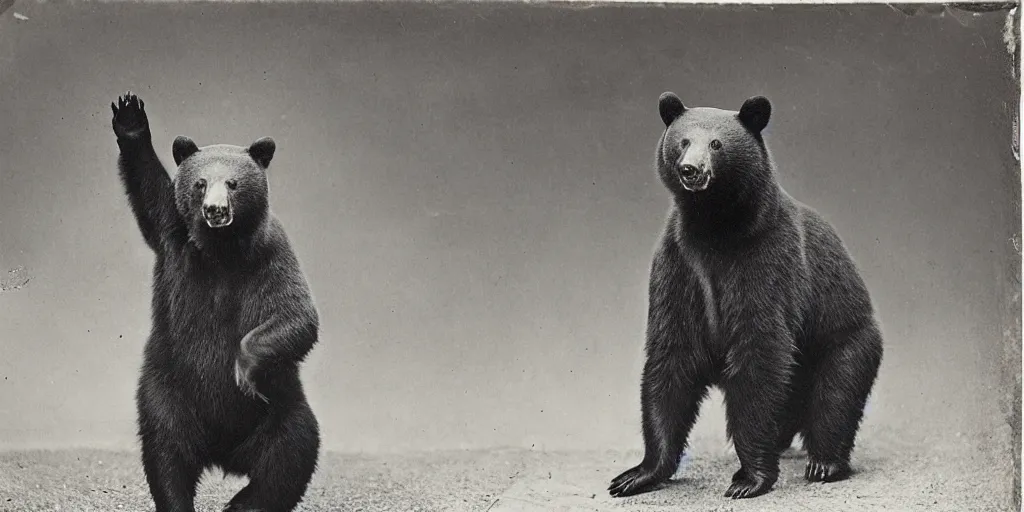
pixel 280 459
pixel 173 457
pixel 844 375
pixel 172 478
pixel 757 390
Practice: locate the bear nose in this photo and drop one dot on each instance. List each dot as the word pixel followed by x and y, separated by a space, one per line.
pixel 215 210
pixel 689 171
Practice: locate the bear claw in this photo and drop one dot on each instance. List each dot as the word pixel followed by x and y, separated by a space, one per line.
pixel 826 471
pixel 244 382
pixel 748 485
pixel 635 481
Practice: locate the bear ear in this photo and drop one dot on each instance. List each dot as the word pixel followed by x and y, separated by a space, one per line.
pixel 755 112
pixel 262 151
pixel 670 107
pixel 182 148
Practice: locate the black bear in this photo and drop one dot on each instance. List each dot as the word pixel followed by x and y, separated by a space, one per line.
pixel 753 292
pixel 232 319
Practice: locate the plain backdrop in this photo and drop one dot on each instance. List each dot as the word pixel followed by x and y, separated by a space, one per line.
pixel 470 190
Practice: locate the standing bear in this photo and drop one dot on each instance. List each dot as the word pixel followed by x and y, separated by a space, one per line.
pixel 232 319
pixel 753 292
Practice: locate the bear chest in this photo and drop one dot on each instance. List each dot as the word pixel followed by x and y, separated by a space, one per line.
pixel 729 295
pixel 717 297
pixel 206 310
pixel 701 299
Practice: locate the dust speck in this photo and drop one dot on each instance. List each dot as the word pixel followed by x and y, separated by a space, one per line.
pixel 14 279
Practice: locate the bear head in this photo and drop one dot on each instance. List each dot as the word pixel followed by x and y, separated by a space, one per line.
pixel 713 152
pixel 222 190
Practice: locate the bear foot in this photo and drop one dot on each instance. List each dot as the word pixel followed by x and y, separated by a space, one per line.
pixel 241 508
pixel 826 471
pixel 130 121
pixel 635 481
pixel 746 484
pixel 237 504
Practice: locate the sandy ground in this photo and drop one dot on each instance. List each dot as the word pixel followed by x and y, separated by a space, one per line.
pixel 890 475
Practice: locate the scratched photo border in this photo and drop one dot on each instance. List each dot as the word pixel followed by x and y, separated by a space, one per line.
pixel 1012 355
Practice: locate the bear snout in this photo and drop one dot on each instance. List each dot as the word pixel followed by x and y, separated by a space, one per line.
pixel 217 205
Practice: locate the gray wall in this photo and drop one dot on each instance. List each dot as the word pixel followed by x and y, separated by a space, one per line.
pixel 470 190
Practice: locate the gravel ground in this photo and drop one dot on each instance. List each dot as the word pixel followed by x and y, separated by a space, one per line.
pixel 890 476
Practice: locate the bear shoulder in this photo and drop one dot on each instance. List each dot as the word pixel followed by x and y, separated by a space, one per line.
pixel 835 281
pixel 281 275
pixel 820 238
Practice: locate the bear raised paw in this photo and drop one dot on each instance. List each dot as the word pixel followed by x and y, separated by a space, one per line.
pixel 753 292
pixel 130 121
pixel 233 318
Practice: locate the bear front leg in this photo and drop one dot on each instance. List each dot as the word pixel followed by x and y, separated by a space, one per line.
pixel 247 362
pixel 755 384
pixel 149 188
pixel 675 376
pixel 278 340
pixel 670 402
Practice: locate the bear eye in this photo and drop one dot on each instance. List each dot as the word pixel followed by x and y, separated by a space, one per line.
pixel 232 184
pixel 686 142
pixel 716 145
pixel 201 184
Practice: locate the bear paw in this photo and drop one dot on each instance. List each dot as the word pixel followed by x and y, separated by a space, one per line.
pixel 826 471
pixel 130 121
pixel 748 484
pixel 244 369
pixel 635 481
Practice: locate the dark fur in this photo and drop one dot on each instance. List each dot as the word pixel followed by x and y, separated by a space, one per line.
pixel 232 317
pixel 754 292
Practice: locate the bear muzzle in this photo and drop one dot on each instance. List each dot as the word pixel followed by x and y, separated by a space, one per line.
pixel 217 210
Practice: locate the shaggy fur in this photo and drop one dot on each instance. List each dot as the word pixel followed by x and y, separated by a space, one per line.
pixel 753 292
pixel 232 317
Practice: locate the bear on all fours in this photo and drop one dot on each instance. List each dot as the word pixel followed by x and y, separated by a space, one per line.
pixel 232 319
pixel 755 293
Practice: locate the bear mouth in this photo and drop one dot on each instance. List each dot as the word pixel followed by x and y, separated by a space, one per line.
pixel 696 182
pixel 217 221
